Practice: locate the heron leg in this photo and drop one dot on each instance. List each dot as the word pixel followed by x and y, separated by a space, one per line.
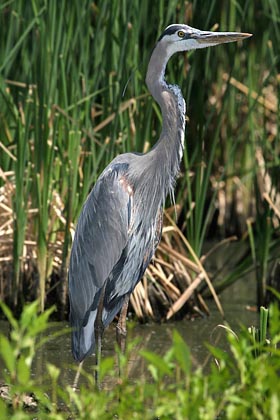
pixel 99 330
pixel 77 376
pixel 121 326
pixel 121 335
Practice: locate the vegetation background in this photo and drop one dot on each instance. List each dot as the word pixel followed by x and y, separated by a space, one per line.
pixel 73 95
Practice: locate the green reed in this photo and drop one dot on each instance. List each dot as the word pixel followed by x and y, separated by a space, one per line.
pixel 73 96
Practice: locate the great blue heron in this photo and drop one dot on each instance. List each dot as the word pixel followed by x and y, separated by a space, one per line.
pixel 121 221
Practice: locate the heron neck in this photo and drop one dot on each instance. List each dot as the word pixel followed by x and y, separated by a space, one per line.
pixel 169 148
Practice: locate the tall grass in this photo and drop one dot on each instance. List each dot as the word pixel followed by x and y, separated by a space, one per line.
pixel 73 96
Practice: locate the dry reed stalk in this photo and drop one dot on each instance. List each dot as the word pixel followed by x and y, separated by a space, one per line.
pixel 166 290
pixel 200 266
pixel 185 296
pixel 176 255
pixel 134 298
pixel 160 284
pixel 266 103
pixel 272 205
pixel 267 188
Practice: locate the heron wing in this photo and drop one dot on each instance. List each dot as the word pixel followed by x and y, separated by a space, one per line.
pixel 136 257
pixel 101 235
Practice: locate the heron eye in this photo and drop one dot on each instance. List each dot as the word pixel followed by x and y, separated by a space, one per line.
pixel 181 34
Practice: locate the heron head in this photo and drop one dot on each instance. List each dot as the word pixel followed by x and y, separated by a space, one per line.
pixel 177 38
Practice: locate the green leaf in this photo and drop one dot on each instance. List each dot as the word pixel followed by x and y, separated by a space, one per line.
pixel 3 410
pixel 7 353
pixel 157 362
pixel 41 322
pixel 106 366
pixel 217 352
pixel 9 315
pixel 23 370
pixel 181 352
pixel 28 314
pixel 53 371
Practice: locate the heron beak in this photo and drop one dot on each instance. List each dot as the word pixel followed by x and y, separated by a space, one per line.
pixel 215 38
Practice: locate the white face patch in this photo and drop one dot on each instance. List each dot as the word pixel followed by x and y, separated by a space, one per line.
pixel 175 44
pixel 184 38
pixel 179 40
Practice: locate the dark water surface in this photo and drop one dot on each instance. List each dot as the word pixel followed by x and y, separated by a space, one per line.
pixel 154 337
